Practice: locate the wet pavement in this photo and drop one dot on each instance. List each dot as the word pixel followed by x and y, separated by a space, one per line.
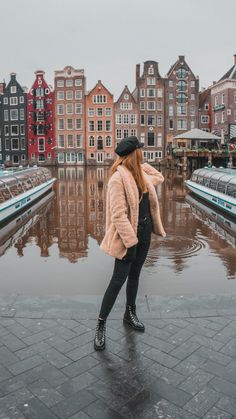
pixel 182 367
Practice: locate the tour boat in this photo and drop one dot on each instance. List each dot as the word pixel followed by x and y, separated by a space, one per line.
pixel 215 185
pixel 19 188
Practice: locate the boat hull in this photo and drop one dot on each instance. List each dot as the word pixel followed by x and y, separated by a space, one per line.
pixel 219 200
pixel 11 207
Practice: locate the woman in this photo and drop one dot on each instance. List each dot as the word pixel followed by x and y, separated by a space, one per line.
pixel 132 214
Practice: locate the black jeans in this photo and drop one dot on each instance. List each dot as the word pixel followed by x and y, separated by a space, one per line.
pixel 124 269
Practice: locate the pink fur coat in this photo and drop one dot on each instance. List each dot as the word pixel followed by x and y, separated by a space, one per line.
pixel 122 207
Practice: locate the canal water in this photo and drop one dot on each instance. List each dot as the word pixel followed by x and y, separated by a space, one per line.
pixel 53 248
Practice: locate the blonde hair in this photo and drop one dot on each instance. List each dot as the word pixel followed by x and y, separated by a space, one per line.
pixel 133 163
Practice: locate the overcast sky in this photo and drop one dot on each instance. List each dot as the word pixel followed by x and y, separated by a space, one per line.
pixel 107 38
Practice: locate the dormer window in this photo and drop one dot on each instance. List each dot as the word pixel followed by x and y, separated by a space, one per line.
pixel 150 70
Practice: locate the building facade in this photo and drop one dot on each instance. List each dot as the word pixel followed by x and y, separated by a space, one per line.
pixel 205 111
pixel 223 102
pixel 150 96
pixel 126 116
pixel 100 125
pixel 40 114
pixel 182 89
pixel 13 124
pixel 69 108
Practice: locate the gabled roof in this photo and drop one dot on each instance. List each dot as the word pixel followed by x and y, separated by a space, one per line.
pixel 231 73
pixel 180 59
pixel 99 82
pixel 126 91
pixel 203 96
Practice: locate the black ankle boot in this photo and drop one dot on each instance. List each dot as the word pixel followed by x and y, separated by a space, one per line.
pixel 99 340
pixel 131 318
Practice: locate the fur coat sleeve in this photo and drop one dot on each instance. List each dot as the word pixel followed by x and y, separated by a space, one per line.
pixel 155 176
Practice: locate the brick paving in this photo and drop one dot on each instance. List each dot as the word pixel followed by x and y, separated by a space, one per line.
pixel 182 367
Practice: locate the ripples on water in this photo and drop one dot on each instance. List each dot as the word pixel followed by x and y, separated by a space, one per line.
pixel 199 251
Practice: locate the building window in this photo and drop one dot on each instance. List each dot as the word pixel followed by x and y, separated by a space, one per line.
pixel 60 95
pixel 222 117
pixel 192 96
pixel 108 112
pixel 91 155
pixel 171 96
pixel 151 120
pixel 91 141
pixel 13 89
pixel 22 114
pixel 126 133
pixel 39 104
pixel 61 124
pixel 118 134
pixel 192 83
pixel 60 109
pixel 15 144
pixel 69 83
pixel 78 94
pixel 78 108
pixel 41 145
pixel 41 157
pixel 22 143
pixel 14 114
pixel 7 144
pixel 150 139
pixel 206 107
pixel 150 105
pixel 204 119
pixel 99 112
pixel 91 112
pixel 78 140
pixel 181 86
pixel 126 106
pixel 181 73
pixel 22 157
pixel 159 139
pixel 70 141
pixel 22 130
pixel 69 94
pixel 171 111
pixel 99 125
pixel 61 141
pixel 14 130
pixel 21 99
pixel 69 123
pixel 159 93
pixel 126 118
pixel 108 141
pixel 151 70
pixel 6 129
pixel 171 124
pixel 99 99
pixel 40 92
pixel 171 83
pixel 91 125
pixel 216 118
pixel 142 119
pixel 118 118
pixel 78 82
pixel 159 106
pixel 142 92
pixel 223 99
pixel 151 92
pixel 133 119
pixel 192 124
pixel 159 121
pixel 181 124
pixel 6 115
pixel 60 83
pixel 151 80
pixel 69 108
pixel 181 98
pixel 108 125
pixel 13 100
pixel 142 106
pixel 79 123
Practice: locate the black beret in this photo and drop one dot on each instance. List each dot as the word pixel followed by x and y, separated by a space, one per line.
pixel 127 145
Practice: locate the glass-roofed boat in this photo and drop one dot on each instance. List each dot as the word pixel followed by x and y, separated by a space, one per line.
pixel 19 188
pixel 215 185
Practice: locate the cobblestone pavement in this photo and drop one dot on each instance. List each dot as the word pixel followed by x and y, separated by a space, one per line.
pixel 183 366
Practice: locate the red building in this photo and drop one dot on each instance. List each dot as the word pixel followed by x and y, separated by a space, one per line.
pixel 40 108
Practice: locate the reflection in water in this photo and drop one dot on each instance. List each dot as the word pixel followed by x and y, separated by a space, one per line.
pixel 73 227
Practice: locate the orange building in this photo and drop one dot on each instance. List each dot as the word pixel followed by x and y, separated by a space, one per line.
pixel 100 126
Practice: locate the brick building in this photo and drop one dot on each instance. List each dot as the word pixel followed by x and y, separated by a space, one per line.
pixel 182 88
pixel 13 124
pixel 150 95
pixel 205 111
pixel 69 108
pixel 223 101
pixel 40 114
pixel 127 116
pixel 100 125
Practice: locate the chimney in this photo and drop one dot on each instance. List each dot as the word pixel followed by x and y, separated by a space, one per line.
pixel 181 57
pixel 13 76
pixel 234 58
pixel 137 73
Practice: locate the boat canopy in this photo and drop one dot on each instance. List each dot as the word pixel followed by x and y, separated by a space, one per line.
pixel 17 182
pixel 223 181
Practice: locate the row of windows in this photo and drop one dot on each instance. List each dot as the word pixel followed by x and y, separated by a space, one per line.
pixel 100 140
pixel 13 100
pixel 181 97
pixel 70 108
pixel 219 185
pixel 69 83
pixel 99 157
pixel 182 110
pixel 100 125
pixel 99 99
pixel 126 106
pixel 151 93
pixel 15 158
pixel 124 133
pixel 99 112
pixel 69 95
pixel 152 139
pixel 15 144
pixel 70 157
pixel 70 124
pixel 126 119
pixel 222 97
pixel 14 114
pixel 14 130
pixel 220 117
pixel 151 106
pixel 72 141
pixel 151 120
pixel 182 84
pixel 181 124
